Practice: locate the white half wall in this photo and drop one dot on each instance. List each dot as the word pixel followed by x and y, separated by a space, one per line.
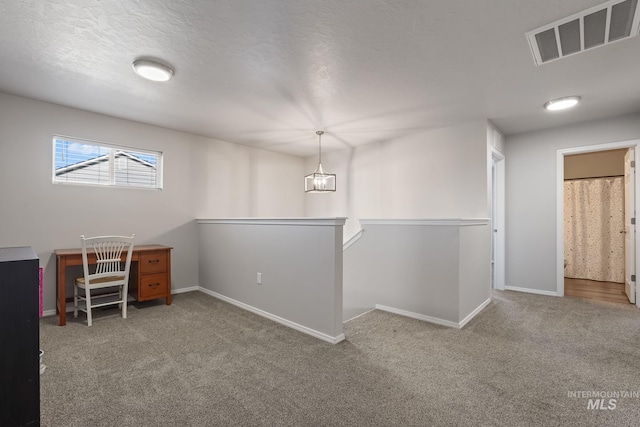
pixel 299 262
pixel 531 255
pixel 202 177
pixel 434 270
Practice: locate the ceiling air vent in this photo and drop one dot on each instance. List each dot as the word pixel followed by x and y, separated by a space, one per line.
pixel 598 26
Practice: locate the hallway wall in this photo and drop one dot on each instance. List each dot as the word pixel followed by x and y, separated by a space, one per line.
pixel 531 195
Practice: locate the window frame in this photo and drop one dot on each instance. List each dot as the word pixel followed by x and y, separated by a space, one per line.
pixel 113 148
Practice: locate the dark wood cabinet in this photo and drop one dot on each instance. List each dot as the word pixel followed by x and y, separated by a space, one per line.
pixel 19 338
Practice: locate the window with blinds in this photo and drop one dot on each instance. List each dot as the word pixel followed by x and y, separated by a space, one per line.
pixel 77 161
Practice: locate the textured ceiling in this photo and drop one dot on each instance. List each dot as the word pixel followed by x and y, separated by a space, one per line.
pixel 269 73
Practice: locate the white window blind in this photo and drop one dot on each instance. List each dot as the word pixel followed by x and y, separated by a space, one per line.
pixel 77 161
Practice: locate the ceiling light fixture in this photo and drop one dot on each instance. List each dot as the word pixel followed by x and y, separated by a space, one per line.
pixel 319 181
pixel 152 70
pixel 562 103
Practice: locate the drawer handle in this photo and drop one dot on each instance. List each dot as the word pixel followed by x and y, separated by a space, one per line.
pixel 153 285
pixel 154 261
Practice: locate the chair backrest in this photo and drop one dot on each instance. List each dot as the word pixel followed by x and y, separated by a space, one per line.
pixel 108 251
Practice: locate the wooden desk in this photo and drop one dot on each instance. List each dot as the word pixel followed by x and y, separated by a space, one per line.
pixel 149 278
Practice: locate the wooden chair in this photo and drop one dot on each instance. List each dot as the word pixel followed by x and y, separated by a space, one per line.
pixel 107 272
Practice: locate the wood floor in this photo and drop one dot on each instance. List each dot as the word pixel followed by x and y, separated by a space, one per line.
pixel 598 291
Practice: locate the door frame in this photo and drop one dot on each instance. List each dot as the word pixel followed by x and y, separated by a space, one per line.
pixel 634 143
pixel 498 218
pixel 630 236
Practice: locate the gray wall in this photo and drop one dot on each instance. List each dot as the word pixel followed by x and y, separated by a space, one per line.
pixel 435 173
pixel 475 269
pixel 300 261
pixel 432 173
pixel 531 195
pixel 202 176
pixel 430 269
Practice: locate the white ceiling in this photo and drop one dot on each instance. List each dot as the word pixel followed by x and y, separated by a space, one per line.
pixel 269 73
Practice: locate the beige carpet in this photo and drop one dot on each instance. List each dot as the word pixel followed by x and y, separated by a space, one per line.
pixel 202 362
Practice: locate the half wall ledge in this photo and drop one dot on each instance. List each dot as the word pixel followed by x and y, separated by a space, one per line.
pixel 277 221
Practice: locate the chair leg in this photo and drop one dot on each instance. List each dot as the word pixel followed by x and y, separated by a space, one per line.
pixel 124 302
pixel 75 300
pixel 87 295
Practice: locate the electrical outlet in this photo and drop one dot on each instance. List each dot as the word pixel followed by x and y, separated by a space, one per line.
pixel 259 279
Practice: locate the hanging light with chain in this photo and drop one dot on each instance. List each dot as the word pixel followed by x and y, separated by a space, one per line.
pixel 319 181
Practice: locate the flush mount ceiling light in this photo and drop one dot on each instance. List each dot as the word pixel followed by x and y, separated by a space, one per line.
pixel 152 70
pixel 319 181
pixel 562 103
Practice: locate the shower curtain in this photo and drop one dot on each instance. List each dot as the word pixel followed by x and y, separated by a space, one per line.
pixel 593 221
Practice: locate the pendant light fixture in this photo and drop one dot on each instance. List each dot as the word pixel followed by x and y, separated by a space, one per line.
pixel 319 181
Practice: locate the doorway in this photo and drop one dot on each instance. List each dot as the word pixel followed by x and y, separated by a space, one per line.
pixel 624 232
pixel 594 200
pixel 497 220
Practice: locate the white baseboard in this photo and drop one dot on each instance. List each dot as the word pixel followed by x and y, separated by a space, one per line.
pixel 432 319
pixel 282 321
pixel 418 316
pixel 352 240
pixel 361 314
pixel 531 291
pixel 183 290
pixel 474 313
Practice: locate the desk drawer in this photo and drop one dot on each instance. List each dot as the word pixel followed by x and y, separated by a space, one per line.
pixel 153 286
pixel 153 262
